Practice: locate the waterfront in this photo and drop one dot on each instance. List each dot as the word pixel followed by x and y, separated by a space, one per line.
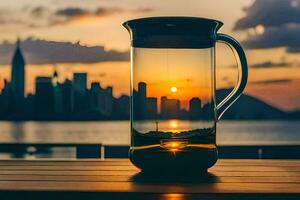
pixel 118 132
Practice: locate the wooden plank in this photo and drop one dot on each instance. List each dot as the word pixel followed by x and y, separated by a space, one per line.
pixel 215 188
pixel 128 178
pixel 116 173
pixel 124 162
pixel 67 172
pixel 255 162
pixel 69 167
pixel 126 168
pixel 228 176
pixel 63 163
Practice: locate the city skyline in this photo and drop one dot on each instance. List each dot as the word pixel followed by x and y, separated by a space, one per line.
pixel 54 99
pixel 164 107
pixel 72 99
pixel 94 30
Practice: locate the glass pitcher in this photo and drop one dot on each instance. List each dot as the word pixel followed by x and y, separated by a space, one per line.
pixel 173 106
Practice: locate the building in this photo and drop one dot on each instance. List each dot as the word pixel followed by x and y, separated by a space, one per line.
pixel 58 98
pixel 151 108
pixel 195 107
pixel 18 77
pixel 107 102
pixel 142 89
pixel 101 99
pixel 67 97
pixel 80 89
pixel 80 82
pixel 142 98
pixel 170 108
pixel 121 107
pixel 140 102
pixel 95 97
pixel 6 97
pixel 44 96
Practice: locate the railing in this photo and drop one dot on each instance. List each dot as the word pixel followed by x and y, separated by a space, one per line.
pixel 96 150
pixel 83 150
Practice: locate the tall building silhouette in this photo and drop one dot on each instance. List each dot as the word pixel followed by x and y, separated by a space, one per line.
pixel 67 97
pixel 57 93
pixel 121 107
pixel 80 89
pixel 195 108
pixel 142 98
pixel 6 104
pixel 151 108
pixel 170 108
pixel 44 96
pixel 140 102
pixel 80 82
pixel 101 99
pixel 18 76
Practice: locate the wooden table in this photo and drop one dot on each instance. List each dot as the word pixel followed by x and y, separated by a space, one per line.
pixel 118 179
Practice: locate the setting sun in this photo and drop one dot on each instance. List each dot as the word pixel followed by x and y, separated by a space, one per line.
pixel 173 89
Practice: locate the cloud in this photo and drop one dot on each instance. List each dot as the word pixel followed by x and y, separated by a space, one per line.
pixel 38 11
pixel 284 36
pixel 71 12
pixel 272 24
pixel 270 13
pixel 107 11
pixel 69 15
pixel 271 81
pixel 30 17
pixel 270 64
pixel 41 16
pixel 143 10
pixel 50 52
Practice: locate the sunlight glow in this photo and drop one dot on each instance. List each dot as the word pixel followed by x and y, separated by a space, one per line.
pixel 174 124
pixel 174 196
pixel 260 29
pixel 173 89
pixel 294 4
pixel 174 145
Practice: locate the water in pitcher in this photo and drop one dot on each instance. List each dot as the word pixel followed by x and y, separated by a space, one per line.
pixel 166 97
pixel 193 150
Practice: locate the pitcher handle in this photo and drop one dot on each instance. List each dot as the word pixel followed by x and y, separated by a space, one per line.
pixel 242 74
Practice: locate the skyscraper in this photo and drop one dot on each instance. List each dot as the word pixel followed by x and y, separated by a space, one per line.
pixel 67 97
pixel 79 84
pixel 169 108
pixel 151 108
pixel 195 108
pixel 141 101
pixel 44 96
pixel 108 99
pixel 18 76
pixel 142 88
pixel 101 99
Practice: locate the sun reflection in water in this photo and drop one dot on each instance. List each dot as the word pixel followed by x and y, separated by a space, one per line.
pixel 173 145
pixel 173 197
pixel 173 124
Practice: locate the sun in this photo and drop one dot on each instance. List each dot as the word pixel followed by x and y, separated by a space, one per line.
pixel 173 89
